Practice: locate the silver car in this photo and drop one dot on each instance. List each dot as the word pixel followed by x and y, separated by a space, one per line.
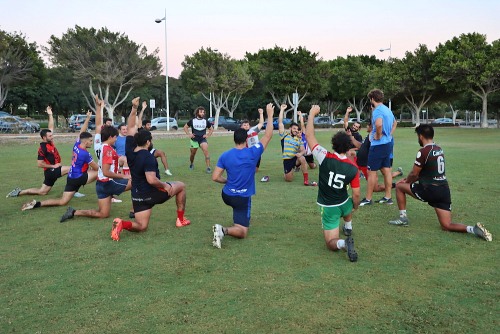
pixel 160 123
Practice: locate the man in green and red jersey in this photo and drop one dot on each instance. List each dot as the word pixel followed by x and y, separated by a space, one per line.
pixel 432 186
pixel 336 172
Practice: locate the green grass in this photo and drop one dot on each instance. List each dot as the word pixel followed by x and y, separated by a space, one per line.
pixel 71 277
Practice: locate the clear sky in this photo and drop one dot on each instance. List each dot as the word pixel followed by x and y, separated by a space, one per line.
pixel 330 28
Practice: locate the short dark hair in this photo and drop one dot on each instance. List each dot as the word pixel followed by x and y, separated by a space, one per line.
pixel 121 125
pixel 245 121
pixel 377 95
pixel 293 123
pixel 142 137
pixel 240 136
pixel 146 121
pixel 108 131
pixel 43 132
pixel 107 119
pixel 85 135
pixel 341 142
pixel 425 130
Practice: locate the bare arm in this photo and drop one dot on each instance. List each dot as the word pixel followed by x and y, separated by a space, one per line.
pixel 301 118
pixel 281 127
pixel 48 110
pixel 144 106
pixel 394 125
pixel 346 117
pixel 217 175
pixel 269 128
pixel 186 130
pixel 86 123
pixel 98 114
pixel 106 171
pixel 132 118
pixel 378 129
pixel 355 197
pixel 94 165
pixel 413 176
pixel 261 119
pixel 210 131
pixel 310 136
pixel 154 181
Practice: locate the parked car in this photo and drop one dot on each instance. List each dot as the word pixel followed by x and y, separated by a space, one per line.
pixel 442 121
pixel 10 124
pixel 322 121
pixel 160 123
pixel 76 122
pixel 286 123
pixel 228 123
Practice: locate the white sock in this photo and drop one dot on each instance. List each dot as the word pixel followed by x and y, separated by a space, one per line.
pixel 348 225
pixel 341 244
pixel 470 229
pixel 402 213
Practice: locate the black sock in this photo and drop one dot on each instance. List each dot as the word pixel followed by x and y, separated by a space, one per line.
pixel 37 204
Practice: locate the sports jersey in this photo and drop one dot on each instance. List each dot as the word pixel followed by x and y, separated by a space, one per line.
pixel 120 145
pixel 306 147
pixel 387 120
pixel 80 161
pixel 199 127
pixel 140 162
pixel 110 157
pixel 97 146
pixel 252 136
pixel 362 156
pixel 335 174
pixel 431 159
pixel 290 145
pixel 49 154
pixel 240 168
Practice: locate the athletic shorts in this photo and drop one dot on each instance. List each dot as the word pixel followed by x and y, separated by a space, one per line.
pixel 289 164
pixel 195 143
pixel 51 176
pixel 241 208
pixel 75 184
pixel 110 188
pixel 147 201
pixel 330 215
pixel 309 158
pixel 379 157
pixel 436 196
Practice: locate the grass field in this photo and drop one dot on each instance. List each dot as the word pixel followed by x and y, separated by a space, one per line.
pixel 72 278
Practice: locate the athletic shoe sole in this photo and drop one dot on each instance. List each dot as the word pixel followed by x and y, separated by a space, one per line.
pixel 351 252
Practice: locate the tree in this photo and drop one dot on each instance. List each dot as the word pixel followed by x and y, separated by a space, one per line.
pixel 284 72
pixel 224 78
pixel 109 60
pixel 19 62
pixel 469 63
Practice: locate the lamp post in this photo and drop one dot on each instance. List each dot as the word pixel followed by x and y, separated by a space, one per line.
pixel 390 53
pixel 166 69
pixel 215 50
pixel 425 112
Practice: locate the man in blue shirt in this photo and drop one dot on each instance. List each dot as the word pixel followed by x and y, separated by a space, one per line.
pixel 379 156
pixel 239 185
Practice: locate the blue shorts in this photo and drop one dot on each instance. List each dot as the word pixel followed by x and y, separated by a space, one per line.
pixel 110 188
pixel 379 157
pixel 241 208
pixel 289 164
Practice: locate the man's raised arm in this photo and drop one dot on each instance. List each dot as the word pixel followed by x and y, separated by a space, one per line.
pixel 269 128
pixel 132 118
pixel 310 136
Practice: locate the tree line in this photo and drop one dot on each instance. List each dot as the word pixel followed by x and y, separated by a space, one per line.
pixel 461 74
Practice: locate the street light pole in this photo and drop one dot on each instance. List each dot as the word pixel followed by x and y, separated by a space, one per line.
pixel 390 57
pixel 166 70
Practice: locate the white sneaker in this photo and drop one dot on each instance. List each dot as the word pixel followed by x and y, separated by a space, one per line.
pixel 78 195
pixel 167 171
pixel 116 200
pixel 218 236
pixel 30 205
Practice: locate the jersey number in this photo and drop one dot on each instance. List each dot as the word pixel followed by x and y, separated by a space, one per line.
pixel 336 180
pixel 440 163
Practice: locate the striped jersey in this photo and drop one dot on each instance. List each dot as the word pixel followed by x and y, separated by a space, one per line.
pixel 290 145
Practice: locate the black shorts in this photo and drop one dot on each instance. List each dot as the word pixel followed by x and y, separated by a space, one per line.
pixel 309 158
pixel 147 201
pixel 51 176
pixel 436 196
pixel 289 164
pixel 75 184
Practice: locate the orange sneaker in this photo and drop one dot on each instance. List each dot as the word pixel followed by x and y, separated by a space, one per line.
pixel 116 230
pixel 181 223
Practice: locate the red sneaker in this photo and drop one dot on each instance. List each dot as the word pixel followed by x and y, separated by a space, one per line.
pixel 116 230
pixel 181 223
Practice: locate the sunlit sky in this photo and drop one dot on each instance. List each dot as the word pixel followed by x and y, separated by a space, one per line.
pixel 330 28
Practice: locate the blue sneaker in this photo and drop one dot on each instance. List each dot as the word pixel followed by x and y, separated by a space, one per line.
pixel 365 201
pixel 384 200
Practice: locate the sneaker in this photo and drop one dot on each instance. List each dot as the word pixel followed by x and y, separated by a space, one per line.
pixel 181 223
pixel 351 252
pixel 131 214
pixel 296 169
pixel 347 231
pixel 28 206
pixel 265 179
pixel 116 230
pixel 400 170
pixel 70 213
pixel 79 195
pixel 401 221
pixel 209 170
pixel 482 233
pixel 365 201
pixel 361 175
pixel 384 200
pixel 116 200
pixel 14 193
pixel 218 235
pixel 311 184
pixel 167 171
pixel 191 167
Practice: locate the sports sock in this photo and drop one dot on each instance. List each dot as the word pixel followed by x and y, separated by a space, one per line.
pixel 127 224
pixel 224 230
pixel 402 213
pixel 341 244
pixel 348 225
pixel 470 229
pixel 37 204
pixel 306 178
pixel 180 215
